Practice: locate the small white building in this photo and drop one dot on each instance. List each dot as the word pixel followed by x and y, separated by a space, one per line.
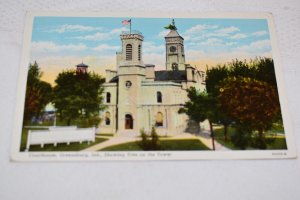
pixel 138 97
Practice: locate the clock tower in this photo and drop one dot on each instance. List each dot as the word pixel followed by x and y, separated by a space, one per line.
pixel 175 59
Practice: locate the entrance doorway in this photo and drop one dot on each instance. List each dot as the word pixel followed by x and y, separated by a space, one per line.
pixel 128 121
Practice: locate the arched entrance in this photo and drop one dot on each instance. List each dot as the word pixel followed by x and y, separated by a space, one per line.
pixel 128 121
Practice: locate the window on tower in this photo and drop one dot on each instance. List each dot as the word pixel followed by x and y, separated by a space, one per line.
pixel 174 66
pixel 159 97
pixel 107 118
pixel 108 95
pixel 140 51
pixel 128 52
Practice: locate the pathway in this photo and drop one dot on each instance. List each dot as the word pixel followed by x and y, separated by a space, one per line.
pixel 115 140
pixel 204 137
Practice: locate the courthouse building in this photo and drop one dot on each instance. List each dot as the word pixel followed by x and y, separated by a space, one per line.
pixel 138 97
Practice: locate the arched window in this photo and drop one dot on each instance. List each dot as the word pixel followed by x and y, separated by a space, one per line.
pixel 174 66
pixel 159 121
pixel 159 97
pixel 128 121
pixel 139 51
pixel 107 118
pixel 108 97
pixel 128 52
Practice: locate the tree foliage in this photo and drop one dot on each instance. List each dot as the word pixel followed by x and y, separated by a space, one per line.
pixel 38 93
pixel 251 103
pixel 78 97
pixel 240 92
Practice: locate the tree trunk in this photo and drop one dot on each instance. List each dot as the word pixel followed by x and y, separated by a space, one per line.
pixel 225 132
pixel 69 122
pixel 212 135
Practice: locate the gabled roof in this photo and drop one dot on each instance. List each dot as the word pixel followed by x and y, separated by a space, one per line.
pixel 176 75
pixel 173 33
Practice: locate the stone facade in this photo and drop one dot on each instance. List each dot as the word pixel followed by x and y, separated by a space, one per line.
pixel 138 97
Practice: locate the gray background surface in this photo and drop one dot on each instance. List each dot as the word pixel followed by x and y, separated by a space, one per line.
pixel 242 179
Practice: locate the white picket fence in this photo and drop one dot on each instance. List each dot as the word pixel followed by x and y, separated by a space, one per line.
pixel 57 135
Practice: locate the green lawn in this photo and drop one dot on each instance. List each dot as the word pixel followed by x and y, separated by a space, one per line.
pixel 76 146
pixel 167 145
pixel 105 134
pixel 273 141
pixel 219 136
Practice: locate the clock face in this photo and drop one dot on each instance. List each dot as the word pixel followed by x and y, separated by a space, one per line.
pixel 172 49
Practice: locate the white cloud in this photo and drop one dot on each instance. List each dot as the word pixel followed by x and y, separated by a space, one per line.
pixel 223 32
pixel 238 36
pixel 105 47
pixel 47 46
pixel 100 36
pixel 163 33
pixel 257 46
pixel 228 30
pixel 212 41
pixel 198 32
pixel 157 59
pixel 199 28
pixel 230 43
pixel 151 47
pixel 74 28
pixel 97 36
pixel 259 33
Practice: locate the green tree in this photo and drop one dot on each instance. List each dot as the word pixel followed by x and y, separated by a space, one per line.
pixel 214 78
pixel 251 103
pixel 38 93
pixel 201 106
pixel 78 97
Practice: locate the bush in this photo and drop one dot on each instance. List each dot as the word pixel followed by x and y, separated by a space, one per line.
pixel 149 143
pixel 241 138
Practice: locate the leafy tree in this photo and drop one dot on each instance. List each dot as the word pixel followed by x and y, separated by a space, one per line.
pixel 265 71
pixel 238 68
pixel 214 78
pixel 200 107
pixel 78 97
pixel 38 93
pixel 251 103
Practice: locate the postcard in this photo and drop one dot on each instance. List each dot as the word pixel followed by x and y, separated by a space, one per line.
pixel 149 86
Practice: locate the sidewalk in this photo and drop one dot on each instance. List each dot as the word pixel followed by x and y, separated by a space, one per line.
pixel 112 141
pixel 204 137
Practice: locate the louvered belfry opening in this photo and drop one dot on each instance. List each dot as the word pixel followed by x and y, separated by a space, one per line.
pixel 128 52
pixel 139 52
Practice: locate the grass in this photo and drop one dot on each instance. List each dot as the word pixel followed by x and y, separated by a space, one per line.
pixel 105 134
pixel 219 136
pixel 76 146
pixel 277 144
pixel 167 145
pixel 273 143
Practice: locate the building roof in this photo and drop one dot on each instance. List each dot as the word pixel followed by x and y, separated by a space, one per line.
pixel 176 75
pixel 173 33
pixel 114 79
pixel 82 65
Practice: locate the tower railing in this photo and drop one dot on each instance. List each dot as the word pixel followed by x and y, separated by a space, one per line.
pixel 131 32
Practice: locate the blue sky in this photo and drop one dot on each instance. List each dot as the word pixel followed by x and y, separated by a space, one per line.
pixel 62 42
